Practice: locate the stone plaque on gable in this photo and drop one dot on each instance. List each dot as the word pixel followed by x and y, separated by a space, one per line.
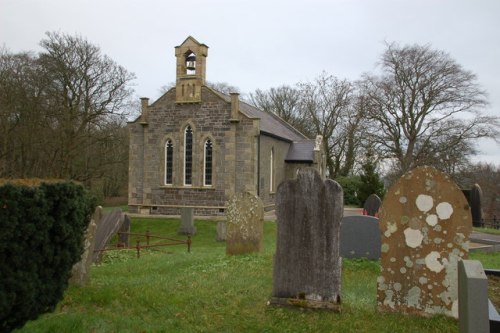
pixel 360 237
pixel 425 224
pixel 307 265
pixel 245 222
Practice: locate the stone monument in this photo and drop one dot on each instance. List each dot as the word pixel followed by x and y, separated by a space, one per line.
pixel 187 222
pixel 372 205
pixel 307 265
pixel 476 198
pixel 360 237
pixel 425 224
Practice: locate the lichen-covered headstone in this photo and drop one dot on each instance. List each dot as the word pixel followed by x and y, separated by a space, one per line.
pixel 425 224
pixel 80 273
pixel 245 223
pixel 187 222
pixel 372 205
pixel 476 197
pixel 307 265
pixel 360 237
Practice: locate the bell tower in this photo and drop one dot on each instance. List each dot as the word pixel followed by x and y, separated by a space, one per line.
pixel 191 67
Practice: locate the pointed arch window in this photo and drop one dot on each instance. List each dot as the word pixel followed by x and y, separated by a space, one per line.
pixel 188 156
pixel 169 162
pixel 208 169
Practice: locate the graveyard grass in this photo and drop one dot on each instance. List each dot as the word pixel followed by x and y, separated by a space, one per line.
pixel 170 290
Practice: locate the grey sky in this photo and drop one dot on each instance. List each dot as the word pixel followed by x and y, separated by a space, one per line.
pixel 266 43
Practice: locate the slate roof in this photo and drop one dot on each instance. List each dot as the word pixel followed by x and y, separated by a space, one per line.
pixel 302 151
pixel 270 124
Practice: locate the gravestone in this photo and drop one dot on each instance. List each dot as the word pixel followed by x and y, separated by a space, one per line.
pixel 372 205
pixel 360 237
pixel 80 273
pixel 187 222
pixel 124 231
pixel 473 297
pixel 107 227
pixel 245 223
pixel 425 224
pixel 221 231
pixel 307 265
pixel 476 197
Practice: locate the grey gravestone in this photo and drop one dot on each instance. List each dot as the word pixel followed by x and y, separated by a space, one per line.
pixel 108 226
pixel 124 231
pixel 476 196
pixel 307 265
pixel 472 297
pixel 372 205
pixel 187 222
pixel 245 223
pixel 360 237
pixel 425 224
pixel 221 231
pixel 80 273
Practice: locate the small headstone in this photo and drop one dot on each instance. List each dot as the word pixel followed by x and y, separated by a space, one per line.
pixel 360 237
pixel 473 297
pixel 425 224
pixel 307 265
pixel 372 205
pixel 80 273
pixel 245 223
pixel 476 197
pixel 108 226
pixel 221 231
pixel 187 222
pixel 124 231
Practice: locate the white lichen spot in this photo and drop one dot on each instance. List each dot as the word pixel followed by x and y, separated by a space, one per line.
pixel 422 280
pixel 391 228
pixel 397 286
pixel 413 237
pixel 424 202
pixel 429 286
pixel 392 259
pixel 432 262
pixel 388 298
pixel 431 220
pixel 413 297
pixel 437 240
pixel 409 264
pixel 403 199
pixel 384 248
pixel 402 270
pixel 444 210
pixel 454 309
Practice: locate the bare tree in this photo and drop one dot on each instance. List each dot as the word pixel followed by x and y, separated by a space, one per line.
pixel 284 101
pixel 424 107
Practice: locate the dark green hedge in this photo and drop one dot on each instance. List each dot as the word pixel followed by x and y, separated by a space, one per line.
pixel 41 238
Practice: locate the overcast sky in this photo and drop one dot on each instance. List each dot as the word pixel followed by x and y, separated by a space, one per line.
pixel 266 43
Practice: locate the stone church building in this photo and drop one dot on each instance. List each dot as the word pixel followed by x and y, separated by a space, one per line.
pixel 195 146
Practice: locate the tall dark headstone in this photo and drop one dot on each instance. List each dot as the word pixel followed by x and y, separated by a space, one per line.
pixel 307 265
pixel 425 224
pixel 124 231
pixel 476 197
pixel 360 237
pixel 372 205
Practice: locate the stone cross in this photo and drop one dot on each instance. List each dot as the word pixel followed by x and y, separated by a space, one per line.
pixel 372 205
pixel 425 224
pixel 187 222
pixel 245 222
pixel 360 237
pixel 307 265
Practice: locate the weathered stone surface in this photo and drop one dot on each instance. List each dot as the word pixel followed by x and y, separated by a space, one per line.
pixel 221 231
pixel 425 224
pixel 124 231
pixel 245 222
pixel 372 205
pixel 307 265
pixel 476 209
pixel 360 237
pixel 80 273
pixel 108 226
pixel 473 297
pixel 187 222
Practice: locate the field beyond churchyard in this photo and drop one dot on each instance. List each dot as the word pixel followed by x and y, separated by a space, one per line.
pixel 170 290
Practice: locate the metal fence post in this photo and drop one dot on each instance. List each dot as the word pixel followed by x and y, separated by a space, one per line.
pixel 138 248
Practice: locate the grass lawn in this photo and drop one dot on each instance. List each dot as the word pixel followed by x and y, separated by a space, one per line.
pixel 170 290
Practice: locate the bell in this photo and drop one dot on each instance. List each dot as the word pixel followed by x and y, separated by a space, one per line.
pixel 191 62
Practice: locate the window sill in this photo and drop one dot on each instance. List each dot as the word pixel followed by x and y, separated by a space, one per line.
pixel 188 187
